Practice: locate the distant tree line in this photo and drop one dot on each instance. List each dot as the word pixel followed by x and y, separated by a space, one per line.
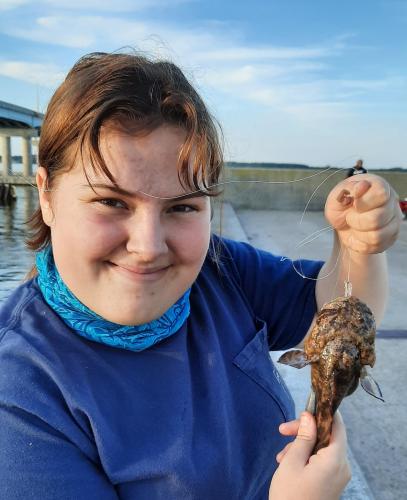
pixel 265 165
pixel 237 164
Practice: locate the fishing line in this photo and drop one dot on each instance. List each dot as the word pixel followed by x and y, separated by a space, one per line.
pixel 220 183
pixel 335 287
pixel 316 189
pixel 348 283
pixel 313 236
pixel 305 241
pixel 300 273
pixel 317 233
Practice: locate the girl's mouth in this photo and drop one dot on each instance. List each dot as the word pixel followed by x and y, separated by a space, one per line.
pixel 143 274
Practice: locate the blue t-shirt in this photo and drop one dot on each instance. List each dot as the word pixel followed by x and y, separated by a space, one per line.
pixel 193 417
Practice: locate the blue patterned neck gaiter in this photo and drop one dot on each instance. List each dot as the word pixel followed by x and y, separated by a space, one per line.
pixel 92 326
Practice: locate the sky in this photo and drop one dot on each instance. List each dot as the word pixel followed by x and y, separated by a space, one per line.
pixel 306 81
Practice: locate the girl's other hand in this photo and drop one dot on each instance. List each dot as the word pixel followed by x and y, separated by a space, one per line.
pixel 322 476
pixel 365 212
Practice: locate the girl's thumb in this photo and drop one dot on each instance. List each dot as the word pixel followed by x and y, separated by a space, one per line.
pixel 302 446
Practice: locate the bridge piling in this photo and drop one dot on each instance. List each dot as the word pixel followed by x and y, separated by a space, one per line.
pixel 5 151
pixel 27 156
pixel 16 121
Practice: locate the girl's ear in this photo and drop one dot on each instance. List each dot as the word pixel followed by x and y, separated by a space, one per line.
pixel 44 195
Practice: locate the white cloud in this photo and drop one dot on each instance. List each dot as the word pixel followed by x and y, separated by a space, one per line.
pixel 206 47
pixel 318 112
pixel 99 5
pixel 84 31
pixel 12 4
pixel 269 96
pixel 234 77
pixel 46 75
pixel 367 85
pixel 238 53
pixel 112 5
pixel 298 90
pixel 256 80
pixel 215 58
pixel 290 79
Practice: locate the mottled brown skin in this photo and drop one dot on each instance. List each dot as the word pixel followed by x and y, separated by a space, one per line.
pixel 339 345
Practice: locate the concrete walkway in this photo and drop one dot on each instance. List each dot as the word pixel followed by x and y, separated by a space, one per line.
pixel 377 433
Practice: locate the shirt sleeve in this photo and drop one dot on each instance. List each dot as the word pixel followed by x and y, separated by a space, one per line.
pixel 279 291
pixel 38 462
pixel 44 453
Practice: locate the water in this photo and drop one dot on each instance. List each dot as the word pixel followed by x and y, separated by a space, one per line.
pixel 15 259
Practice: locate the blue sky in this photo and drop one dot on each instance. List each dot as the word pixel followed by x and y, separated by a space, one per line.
pixel 316 82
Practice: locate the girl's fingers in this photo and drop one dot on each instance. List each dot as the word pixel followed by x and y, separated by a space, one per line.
pixel 376 196
pixel 359 188
pixel 301 448
pixel 363 194
pixel 289 428
pixel 282 453
pixel 369 242
pixel 373 220
pixel 352 190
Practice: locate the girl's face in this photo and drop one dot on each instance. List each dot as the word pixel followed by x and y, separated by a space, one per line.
pixel 125 255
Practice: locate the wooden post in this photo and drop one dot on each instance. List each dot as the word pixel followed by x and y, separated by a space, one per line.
pixel 7 194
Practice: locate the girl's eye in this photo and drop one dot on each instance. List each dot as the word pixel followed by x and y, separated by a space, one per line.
pixel 112 202
pixel 182 209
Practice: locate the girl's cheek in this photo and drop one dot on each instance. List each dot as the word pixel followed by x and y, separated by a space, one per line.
pixel 101 223
pixel 102 234
pixel 192 242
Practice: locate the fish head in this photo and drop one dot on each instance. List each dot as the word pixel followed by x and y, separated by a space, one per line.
pixel 337 372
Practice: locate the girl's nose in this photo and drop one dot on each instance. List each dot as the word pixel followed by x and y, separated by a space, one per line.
pixel 147 236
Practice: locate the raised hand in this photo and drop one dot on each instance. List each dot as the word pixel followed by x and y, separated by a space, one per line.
pixel 365 212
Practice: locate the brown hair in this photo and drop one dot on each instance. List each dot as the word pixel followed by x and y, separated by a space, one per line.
pixel 138 95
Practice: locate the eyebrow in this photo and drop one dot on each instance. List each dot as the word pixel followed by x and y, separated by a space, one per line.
pixel 124 192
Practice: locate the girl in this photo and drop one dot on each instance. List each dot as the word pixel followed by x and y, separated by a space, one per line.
pixel 134 362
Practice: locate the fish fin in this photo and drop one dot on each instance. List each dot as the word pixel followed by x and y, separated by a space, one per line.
pixel 295 358
pixel 311 405
pixel 370 385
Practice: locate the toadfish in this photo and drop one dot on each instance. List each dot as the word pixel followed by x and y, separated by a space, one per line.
pixel 339 347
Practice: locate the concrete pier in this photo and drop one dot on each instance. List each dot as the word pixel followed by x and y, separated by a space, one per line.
pixel 377 434
pixel 5 151
pixel 27 155
pixel 16 121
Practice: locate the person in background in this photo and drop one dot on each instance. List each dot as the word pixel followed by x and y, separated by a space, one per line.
pixel 357 169
pixel 135 358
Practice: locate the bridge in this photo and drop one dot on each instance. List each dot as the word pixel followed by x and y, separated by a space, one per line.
pixel 16 121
